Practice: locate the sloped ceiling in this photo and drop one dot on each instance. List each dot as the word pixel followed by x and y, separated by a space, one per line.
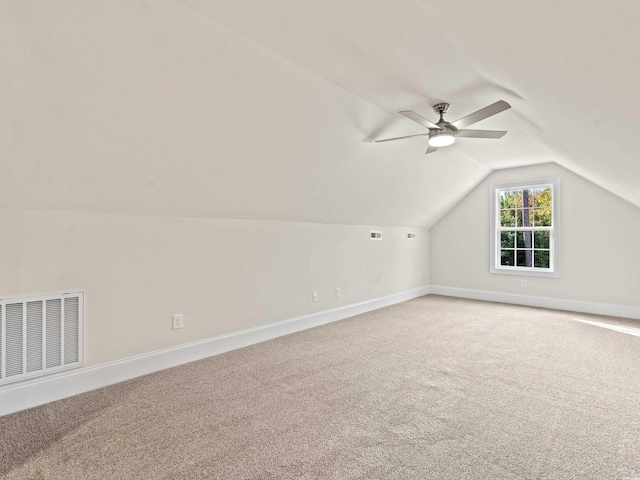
pixel 267 110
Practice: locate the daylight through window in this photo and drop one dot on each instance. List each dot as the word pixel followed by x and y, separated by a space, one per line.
pixel 524 223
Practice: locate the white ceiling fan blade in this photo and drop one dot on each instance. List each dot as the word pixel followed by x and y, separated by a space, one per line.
pixel 480 133
pixel 481 114
pixel 411 115
pixel 431 149
pixel 400 138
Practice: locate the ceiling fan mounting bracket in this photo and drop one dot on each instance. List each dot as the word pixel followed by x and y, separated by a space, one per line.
pixel 441 108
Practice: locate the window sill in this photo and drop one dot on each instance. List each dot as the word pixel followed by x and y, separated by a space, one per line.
pixel 525 272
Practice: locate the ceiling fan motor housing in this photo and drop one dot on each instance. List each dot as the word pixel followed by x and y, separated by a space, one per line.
pixel 445 135
pixel 442 137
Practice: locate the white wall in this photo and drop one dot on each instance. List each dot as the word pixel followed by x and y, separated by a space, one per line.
pixel 176 115
pixel 223 275
pixel 599 253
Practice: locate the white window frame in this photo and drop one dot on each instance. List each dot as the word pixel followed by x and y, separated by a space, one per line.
pixel 496 229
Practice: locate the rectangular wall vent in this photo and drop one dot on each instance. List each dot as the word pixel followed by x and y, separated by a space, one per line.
pixel 411 235
pixel 375 235
pixel 40 335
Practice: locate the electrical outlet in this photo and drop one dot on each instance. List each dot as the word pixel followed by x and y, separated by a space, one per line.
pixel 177 321
pixel 523 283
pixel 314 296
pixel 338 292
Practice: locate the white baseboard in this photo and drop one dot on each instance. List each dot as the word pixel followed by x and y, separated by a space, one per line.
pixel 625 311
pixel 32 393
pixel 36 392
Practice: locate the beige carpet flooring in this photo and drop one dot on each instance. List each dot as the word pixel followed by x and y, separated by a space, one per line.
pixel 434 388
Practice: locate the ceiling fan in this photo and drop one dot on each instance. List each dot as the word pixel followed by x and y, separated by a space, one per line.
pixel 443 133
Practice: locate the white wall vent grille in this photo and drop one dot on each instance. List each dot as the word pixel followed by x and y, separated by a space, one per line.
pixel 40 335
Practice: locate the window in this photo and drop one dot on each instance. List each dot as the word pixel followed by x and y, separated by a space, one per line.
pixel 524 237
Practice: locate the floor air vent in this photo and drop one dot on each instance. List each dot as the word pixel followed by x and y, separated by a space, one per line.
pixel 40 335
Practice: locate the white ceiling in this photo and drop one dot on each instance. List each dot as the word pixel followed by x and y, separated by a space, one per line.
pixel 267 110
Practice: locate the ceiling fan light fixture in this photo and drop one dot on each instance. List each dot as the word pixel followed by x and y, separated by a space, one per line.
pixel 441 139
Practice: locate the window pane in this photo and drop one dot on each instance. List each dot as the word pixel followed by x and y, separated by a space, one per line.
pixel 542 197
pixel 510 199
pixel 525 217
pixel 523 258
pixel 523 240
pixel 507 239
pixel 507 258
pixel 508 218
pixel 542 217
pixel 541 239
pixel 541 258
pixel 527 198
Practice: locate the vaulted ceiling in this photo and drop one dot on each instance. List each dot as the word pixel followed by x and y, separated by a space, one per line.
pixel 268 110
